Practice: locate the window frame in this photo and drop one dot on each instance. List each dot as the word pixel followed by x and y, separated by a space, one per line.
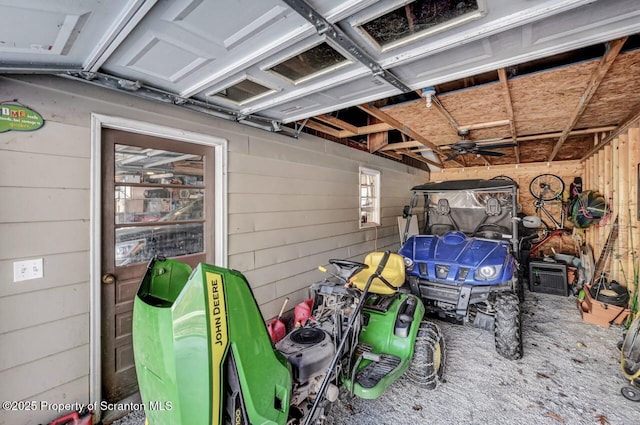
pixel 214 92
pixel 373 213
pixel 302 48
pixel 382 48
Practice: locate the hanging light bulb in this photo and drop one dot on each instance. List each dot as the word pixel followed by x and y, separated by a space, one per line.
pixel 428 93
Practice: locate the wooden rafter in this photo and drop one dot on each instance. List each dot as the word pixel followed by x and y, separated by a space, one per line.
pixel 343 125
pixel 323 129
pixel 613 48
pixel 502 74
pixel 558 133
pixel 403 145
pixel 452 121
pixel 374 128
pixel 383 116
pixel 488 124
pixel 435 102
pixel 345 129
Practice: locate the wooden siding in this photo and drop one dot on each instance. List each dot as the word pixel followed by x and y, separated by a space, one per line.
pixel 292 205
pixel 613 171
pixel 291 210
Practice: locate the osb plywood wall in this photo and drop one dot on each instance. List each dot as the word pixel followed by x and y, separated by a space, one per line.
pixel 543 103
pixel 613 171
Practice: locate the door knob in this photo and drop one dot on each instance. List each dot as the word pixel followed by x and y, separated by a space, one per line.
pixel 108 278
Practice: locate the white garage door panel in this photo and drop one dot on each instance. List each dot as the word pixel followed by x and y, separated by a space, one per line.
pixel 61 32
pixel 186 46
pixel 196 48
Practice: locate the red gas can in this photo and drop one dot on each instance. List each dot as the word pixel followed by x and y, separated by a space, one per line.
pixel 74 418
pixel 302 312
pixel 276 327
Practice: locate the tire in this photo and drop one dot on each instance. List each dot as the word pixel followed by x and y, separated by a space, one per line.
pixel 630 393
pixel 621 297
pixel 429 357
pixel 546 187
pixel 519 288
pixel 503 177
pixel 507 326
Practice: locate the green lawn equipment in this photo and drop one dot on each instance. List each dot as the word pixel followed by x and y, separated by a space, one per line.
pixel 202 348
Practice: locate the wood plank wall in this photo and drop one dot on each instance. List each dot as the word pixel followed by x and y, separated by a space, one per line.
pixel 613 171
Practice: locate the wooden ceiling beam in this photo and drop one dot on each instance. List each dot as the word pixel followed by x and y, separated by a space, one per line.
pixel 558 133
pixel 383 116
pixel 403 145
pixel 502 75
pixel 613 48
pixel 374 128
pixel 342 125
pixel 488 124
pixel 532 137
pixel 324 129
pixel 435 102
pixel 627 122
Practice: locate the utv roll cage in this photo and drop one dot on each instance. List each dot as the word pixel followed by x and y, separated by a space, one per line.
pixel 479 208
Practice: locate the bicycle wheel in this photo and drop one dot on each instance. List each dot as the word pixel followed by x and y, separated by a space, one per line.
pixel 546 187
pixel 503 177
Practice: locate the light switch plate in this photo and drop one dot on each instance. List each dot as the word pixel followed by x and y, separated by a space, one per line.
pixel 27 269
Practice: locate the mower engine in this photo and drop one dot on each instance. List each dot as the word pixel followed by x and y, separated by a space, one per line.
pixel 311 348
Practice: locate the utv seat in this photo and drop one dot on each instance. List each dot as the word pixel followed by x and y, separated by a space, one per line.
pixel 393 273
pixel 492 231
pixel 440 229
pixel 442 209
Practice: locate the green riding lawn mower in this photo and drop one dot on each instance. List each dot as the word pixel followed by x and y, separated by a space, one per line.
pixel 201 344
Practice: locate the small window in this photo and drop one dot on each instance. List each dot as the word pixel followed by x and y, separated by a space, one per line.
pixel 419 18
pixel 244 91
pixel 310 63
pixel 369 197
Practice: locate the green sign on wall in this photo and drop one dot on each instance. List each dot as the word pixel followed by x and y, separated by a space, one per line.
pixel 19 118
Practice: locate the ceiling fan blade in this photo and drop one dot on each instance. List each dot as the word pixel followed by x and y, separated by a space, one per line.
pixel 489 153
pixel 450 157
pixel 498 146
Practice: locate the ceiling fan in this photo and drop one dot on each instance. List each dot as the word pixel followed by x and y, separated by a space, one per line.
pixel 464 146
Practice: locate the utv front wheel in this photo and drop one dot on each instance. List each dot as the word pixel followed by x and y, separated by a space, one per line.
pixel 428 363
pixel 507 326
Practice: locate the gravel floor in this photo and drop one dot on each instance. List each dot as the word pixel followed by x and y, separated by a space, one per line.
pixel 570 374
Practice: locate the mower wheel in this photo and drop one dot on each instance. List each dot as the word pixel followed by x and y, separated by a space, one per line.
pixel 630 393
pixel 507 326
pixel 429 357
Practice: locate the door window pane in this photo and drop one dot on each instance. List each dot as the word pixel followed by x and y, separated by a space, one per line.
pixel 156 192
pixel 140 244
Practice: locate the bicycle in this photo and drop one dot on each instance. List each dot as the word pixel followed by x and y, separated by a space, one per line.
pixel 547 188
